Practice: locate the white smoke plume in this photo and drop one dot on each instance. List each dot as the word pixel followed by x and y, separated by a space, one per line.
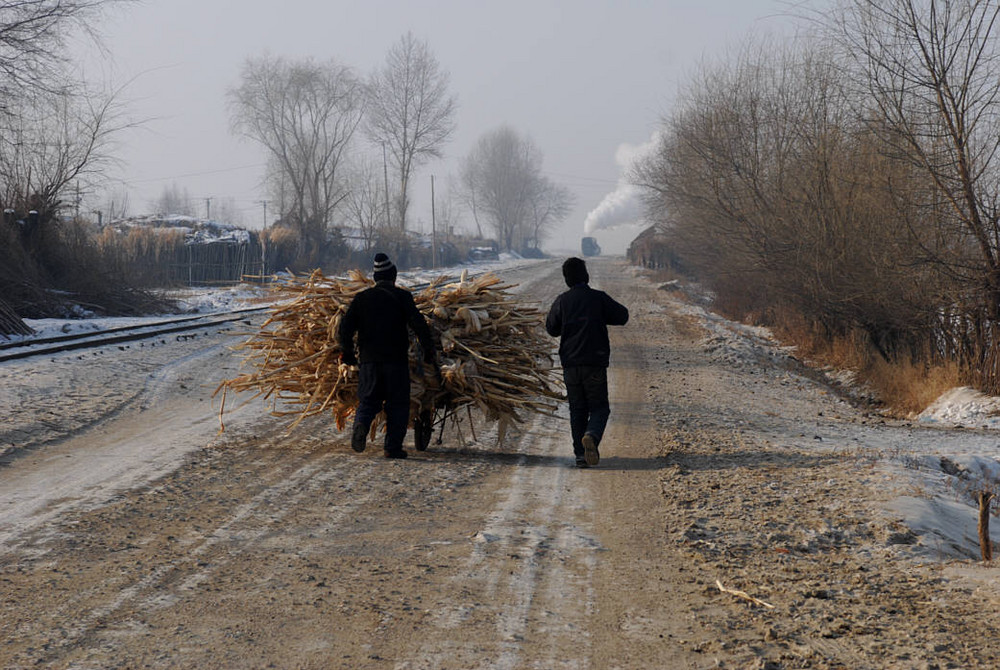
pixel 619 207
pixel 622 206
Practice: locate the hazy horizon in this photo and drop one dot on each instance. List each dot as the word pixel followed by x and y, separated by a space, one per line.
pixel 587 81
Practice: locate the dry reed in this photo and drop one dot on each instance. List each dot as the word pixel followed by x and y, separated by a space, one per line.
pixel 494 356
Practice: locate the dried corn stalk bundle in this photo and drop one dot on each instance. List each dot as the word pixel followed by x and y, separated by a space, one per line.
pixel 494 356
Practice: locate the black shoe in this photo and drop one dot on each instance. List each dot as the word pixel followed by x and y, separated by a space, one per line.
pixel 396 454
pixel 590 453
pixel 359 438
pixel 582 463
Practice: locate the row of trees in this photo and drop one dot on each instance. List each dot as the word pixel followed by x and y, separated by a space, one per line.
pixel 853 180
pixel 56 131
pixel 312 119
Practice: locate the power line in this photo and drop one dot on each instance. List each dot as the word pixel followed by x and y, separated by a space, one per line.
pixel 195 174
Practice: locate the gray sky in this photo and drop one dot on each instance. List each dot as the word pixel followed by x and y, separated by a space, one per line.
pixel 585 79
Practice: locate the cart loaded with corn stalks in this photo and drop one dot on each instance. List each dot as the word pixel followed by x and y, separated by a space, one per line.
pixel 494 357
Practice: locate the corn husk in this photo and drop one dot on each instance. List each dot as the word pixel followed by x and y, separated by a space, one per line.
pixel 495 358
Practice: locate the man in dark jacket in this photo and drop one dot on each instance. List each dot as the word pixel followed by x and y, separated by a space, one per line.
pixel 379 316
pixel 580 318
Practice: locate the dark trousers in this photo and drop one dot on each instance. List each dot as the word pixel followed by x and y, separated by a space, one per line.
pixel 385 385
pixel 587 392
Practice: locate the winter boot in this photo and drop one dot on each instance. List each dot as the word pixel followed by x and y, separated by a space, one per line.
pixel 359 438
pixel 590 453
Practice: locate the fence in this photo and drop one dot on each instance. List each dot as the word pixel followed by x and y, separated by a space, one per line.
pixel 215 262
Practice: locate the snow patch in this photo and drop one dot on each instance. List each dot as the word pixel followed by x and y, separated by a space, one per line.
pixel 963 407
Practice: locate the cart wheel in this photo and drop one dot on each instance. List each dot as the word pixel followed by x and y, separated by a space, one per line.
pixel 423 429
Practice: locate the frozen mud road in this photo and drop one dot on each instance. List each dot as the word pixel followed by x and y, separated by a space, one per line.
pixel 133 536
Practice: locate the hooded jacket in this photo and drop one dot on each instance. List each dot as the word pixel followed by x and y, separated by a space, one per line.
pixel 379 315
pixel 580 318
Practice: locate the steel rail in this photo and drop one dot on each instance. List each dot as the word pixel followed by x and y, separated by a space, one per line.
pixel 101 338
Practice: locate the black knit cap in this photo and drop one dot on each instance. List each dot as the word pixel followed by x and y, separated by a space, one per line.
pixel 575 272
pixel 383 268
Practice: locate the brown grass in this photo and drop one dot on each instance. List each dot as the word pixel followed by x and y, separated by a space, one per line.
pixel 909 388
pixel 905 387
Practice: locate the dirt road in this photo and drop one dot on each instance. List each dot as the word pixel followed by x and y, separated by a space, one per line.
pixel 142 539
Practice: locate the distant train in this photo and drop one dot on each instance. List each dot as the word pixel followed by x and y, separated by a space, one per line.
pixel 590 247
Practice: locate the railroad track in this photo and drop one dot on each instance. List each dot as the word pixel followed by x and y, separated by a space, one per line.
pixel 96 339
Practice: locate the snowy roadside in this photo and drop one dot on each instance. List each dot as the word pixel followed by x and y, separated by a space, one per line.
pixel 929 469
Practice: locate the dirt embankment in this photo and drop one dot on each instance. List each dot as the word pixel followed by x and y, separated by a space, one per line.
pixel 261 549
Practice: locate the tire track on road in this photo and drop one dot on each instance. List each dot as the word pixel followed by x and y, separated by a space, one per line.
pixel 169 582
pixel 529 573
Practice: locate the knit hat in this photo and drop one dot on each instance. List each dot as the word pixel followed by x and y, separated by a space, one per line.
pixel 383 269
pixel 575 272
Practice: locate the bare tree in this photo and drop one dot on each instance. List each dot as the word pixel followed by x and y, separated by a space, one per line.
pixel 32 42
pixel 227 210
pixel 447 215
pixel 175 200
pixel 550 203
pixel 55 130
pixel 467 193
pixel 767 185
pixel 305 115
pixel 502 176
pixel 365 203
pixel 54 142
pixel 931 69
pixel 410 112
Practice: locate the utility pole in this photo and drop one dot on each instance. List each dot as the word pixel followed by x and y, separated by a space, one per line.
pixel 264 202
pixel 385 175
pixel 208 209
pixel 263 242
pixel 434 243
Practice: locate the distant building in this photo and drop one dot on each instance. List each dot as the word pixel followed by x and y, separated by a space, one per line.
pixel 651 250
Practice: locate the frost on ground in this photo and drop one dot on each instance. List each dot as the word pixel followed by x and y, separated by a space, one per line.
pixel 951 452
pixel 727 462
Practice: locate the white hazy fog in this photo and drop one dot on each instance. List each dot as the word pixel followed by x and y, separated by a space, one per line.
pixel 587 80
